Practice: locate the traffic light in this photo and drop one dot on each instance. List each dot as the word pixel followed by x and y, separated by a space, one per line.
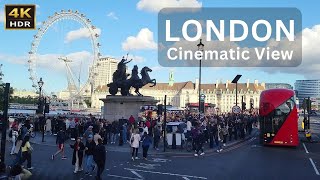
pixel 40 107
pixel 243 106
pixel 308 105
pixel 46 108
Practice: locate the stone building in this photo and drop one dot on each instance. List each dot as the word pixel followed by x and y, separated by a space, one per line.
pixel 181 93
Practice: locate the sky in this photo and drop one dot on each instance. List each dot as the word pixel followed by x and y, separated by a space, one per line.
pixel 130 26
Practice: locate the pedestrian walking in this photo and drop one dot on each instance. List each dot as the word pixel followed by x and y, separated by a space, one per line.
pixel 61 137
pixel 198 138
pixel 134 142
pixel 26 151
pixel 146 142
pixel 89 131
pixel 99 156
pixel 220 139
pixel 48 126
pixel 225 134
pixel 124 133
pixel 77 157
pixel 156 137
pixel 89 150
pixel 14 140
pixel 96 137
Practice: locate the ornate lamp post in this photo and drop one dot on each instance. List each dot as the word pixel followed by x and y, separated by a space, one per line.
pixel 40 107
pixel 200 48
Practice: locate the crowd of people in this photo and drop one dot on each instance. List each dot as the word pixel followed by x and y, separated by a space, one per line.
pixel 90 135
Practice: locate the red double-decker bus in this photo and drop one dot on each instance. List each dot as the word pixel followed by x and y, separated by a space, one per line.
pixel 278 118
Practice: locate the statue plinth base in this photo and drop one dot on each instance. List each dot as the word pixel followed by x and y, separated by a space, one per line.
pixel 118 107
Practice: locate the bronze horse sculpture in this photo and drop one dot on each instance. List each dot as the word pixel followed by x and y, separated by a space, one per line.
pixel 120 80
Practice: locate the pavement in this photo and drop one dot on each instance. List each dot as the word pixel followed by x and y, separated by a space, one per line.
pixel 50 140
pixel 242 160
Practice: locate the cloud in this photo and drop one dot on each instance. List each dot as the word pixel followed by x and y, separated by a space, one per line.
pixel 136 59
pixel 80 34
pixel 46 60
pixel 310 65
pixel 37 6
pixel 143 40
pixel 39 23
pixel 112 15
pixel 157 68
pixel 156 6
pixel 2 16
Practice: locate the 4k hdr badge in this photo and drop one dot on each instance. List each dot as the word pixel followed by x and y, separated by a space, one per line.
pixel 20 17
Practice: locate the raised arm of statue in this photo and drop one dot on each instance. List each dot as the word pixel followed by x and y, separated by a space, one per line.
pixel 128 61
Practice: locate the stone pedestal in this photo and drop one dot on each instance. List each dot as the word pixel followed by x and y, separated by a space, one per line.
pixel 118 107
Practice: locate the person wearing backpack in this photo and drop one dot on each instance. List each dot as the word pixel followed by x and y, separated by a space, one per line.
pixel 146 142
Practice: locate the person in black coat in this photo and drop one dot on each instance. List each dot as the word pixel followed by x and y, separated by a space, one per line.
pixel 77 157
pixel 99 157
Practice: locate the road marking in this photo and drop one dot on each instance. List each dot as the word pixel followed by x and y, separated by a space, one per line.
pixel 159 160
pixel 122 177
pixel 163 173
pixel 137 174
pixel 305 148
pixel 314 166
pixel 185 178
pixel 147 166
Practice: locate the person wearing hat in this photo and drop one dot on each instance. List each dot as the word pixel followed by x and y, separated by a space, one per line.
pixel 78 148
pixel 89 150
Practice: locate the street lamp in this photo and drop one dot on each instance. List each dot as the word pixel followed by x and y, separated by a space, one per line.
pixel 40 107
pixel 40 84
pixel 200 48
pixel 235 80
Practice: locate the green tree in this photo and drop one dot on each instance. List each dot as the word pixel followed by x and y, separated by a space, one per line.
pixel 2 87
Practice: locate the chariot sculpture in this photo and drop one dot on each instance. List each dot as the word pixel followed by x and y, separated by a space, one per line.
pixel 121 82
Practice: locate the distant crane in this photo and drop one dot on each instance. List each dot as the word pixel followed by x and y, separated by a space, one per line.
pixel 74 90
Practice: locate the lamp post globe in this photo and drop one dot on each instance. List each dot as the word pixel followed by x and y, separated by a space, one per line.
pixel 40 83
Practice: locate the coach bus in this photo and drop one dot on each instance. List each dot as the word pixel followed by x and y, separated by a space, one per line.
pixel 278 118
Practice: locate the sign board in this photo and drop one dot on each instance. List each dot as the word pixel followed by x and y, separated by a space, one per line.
pixel 236 109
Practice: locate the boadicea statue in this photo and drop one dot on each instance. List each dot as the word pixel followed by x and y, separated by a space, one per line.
pixel 120 79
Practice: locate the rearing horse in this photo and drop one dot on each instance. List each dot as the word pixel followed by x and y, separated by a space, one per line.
pixel 145 79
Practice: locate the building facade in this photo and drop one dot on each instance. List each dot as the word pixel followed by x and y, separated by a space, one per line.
pixel 24 93
pixel 223 95
pixel 308 88
pixel 278 85
pixel 105 68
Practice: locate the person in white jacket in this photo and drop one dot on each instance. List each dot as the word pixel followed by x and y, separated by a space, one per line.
pixel 134 141
pixel 13 140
